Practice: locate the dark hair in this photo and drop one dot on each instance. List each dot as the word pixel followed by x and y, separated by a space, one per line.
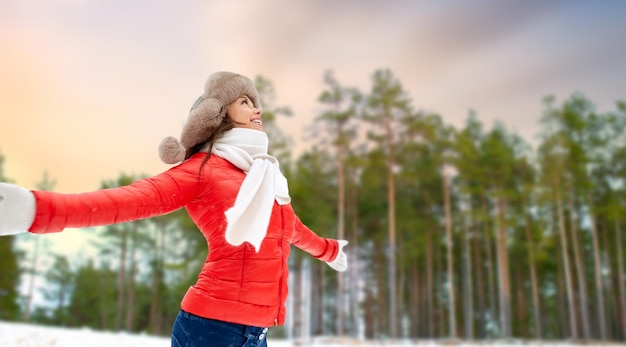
pixel 226 125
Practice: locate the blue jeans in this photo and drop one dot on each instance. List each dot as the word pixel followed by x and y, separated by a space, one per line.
pixel 192 331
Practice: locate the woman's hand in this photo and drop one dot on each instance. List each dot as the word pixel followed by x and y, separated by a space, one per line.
pixel 17 209
pixel 341 261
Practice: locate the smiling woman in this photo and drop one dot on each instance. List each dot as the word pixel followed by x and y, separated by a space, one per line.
pixel 236 195
pixel 245 114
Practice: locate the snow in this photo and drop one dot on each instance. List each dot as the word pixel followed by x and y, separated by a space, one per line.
pixel 27 335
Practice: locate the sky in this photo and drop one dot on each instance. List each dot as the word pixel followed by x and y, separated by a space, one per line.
pixel 89 88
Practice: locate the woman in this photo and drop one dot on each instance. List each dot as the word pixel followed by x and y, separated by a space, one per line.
pixel 235 194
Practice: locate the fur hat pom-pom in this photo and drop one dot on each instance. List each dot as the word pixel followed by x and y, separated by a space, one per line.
pixel 171 151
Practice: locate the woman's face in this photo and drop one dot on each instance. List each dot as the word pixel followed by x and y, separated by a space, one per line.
pixel 244 114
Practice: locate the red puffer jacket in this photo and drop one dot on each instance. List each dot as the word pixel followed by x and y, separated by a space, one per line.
pixel 236 283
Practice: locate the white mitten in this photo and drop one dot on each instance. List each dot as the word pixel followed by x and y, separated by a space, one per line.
pixel 341 262
pixel 17 209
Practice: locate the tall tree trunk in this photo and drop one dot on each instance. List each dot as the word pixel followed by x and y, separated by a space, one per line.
pixel 414 306
pixel 491 272
pixel 490 268
pixel 521 328
pixel 503 270
pixel 307 284
pixel 102 303
pixel 31 281
pixel 369 314
pixel 353 258
pixel 598 269
pixel 582 283
pixel 157 277
pixel 391 200
pixel 533 272
pixel 160 280
pixel 468 302
pixel 430 284
pixel 400 300
pixel 449 254
pixel 61 305
pixel 130 304
pixel 423 329
pixel 610 287
pixel 382 318
pixel 296 295
pixel 561 299
pixel 440 319
pixel 340 230
pixel 478 269
pixel 318 293
pixel 121 280
pixel 566 267
pixel 620 278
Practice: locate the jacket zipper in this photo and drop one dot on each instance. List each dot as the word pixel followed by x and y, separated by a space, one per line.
pixel 282 265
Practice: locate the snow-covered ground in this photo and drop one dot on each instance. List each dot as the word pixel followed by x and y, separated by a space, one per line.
pixel 25 335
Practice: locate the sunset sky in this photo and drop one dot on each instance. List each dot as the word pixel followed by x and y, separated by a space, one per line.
pixel 89 88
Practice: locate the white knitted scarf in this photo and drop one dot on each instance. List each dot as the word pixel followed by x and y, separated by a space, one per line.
pixel 249 218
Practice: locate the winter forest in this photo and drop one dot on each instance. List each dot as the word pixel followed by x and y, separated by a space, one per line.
pixel 469 232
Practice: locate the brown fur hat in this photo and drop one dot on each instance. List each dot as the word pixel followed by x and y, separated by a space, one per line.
pixel 220 89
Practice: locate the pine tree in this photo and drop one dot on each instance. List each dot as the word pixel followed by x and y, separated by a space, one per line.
pixel 337 118
pixel 387 103
pixel 58 290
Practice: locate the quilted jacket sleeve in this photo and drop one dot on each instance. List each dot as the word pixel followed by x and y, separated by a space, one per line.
pixel 142 199
pixel 319 247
